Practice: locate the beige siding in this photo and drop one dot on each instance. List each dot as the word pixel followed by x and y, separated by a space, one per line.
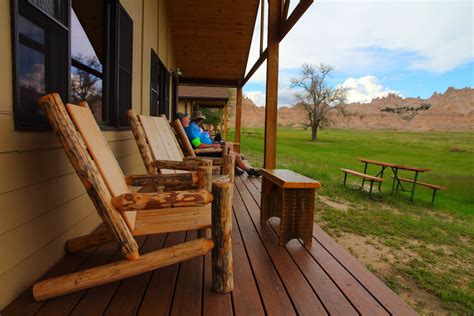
pixel 43 202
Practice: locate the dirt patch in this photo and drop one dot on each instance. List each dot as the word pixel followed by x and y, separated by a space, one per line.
pixel 341 206
pixel 383 260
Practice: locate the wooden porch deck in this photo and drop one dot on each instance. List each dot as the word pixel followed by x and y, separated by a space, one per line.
pixel 317 280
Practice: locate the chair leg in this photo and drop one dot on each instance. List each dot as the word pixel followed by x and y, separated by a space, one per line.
pixel 120 270
pixel 222 261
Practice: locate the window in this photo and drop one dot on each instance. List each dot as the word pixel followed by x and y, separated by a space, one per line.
pixel 159 87
pixel 55 51
pixel 40 38
pixel 101 60
pixel 86 71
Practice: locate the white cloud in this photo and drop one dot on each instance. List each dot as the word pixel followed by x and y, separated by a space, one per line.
pixel 364 89
pixel 258 97
pixel 373 36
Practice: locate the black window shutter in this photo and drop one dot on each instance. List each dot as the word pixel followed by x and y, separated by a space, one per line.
pixel 125 47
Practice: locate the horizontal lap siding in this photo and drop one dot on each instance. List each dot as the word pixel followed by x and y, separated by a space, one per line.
pixel 43 201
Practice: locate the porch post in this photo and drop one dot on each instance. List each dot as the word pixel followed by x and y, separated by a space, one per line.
pixel 225 122
pixel 238 114
pixel 271 99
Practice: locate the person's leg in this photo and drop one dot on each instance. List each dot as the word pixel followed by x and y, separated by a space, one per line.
pixel 242 164
pixel 245 165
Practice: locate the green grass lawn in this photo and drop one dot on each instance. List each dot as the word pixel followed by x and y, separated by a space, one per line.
pixel 440 240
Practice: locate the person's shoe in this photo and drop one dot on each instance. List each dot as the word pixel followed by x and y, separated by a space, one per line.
pixel 253 172
pixel 238 171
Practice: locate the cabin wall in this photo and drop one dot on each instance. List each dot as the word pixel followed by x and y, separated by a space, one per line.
pixel 43 202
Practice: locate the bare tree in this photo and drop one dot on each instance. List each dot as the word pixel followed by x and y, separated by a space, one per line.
pixel 84 84
pixel 315 95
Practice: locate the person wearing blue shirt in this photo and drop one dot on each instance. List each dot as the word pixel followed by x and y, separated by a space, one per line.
pixel 201 139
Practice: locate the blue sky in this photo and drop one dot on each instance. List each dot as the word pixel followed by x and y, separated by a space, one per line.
pixel 410 48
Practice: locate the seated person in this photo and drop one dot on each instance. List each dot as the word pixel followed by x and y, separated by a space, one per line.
pixel 201 139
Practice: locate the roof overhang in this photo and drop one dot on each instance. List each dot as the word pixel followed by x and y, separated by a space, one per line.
pixel 212 39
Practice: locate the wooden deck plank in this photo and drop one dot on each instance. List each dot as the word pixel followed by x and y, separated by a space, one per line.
pixel 273 293
pixel 128 296
pixel 25 303
pixel 245 296
pixel 187 298
pixel 96 299
pixel 377 288
pixel 64 304
pixel 328 292
pixel 214 303
pixel 267 278
pixel 357 294
pixel 350 287
pixel 159 294
pixel 301 293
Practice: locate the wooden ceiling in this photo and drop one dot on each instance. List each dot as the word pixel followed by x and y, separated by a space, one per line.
pixel 211 38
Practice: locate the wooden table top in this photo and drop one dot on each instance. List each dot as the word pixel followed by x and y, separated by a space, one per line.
pixel 289 179
pixel 393 165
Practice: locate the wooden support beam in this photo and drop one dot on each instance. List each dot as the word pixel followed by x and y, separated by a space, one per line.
pixel 231 83
pixel 120 270
pixel 284 10
pixel 285 26
pixel 152 201
pixel 258 63
pixel 262 24
pixel 238 114
pixel 271 100
pixel 297 13
pixel 222 262
pixel 224 134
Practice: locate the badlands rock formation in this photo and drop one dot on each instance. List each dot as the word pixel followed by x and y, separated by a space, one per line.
pixel 450 111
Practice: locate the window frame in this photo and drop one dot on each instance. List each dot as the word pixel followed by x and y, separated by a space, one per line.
pixel 31 12
pixel 163 86
pixel 113 115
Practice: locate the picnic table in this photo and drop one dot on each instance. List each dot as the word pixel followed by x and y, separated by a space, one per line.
pixel 396 179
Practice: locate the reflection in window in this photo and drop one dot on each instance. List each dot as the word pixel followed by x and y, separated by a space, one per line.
pixel 86 71
pixel 32 67
pixel 54 8
pixel 32 81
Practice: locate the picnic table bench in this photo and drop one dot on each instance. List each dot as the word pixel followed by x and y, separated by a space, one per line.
pixel 397 181
pixel 434 187
pixel 365 177
pixel 289 196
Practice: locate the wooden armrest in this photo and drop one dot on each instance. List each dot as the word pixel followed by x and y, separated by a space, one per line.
pixel 208 150
pixel 178 181
pixel 215 160
pixel 152 201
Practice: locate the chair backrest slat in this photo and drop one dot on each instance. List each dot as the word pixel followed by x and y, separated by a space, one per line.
pixel 101 153
pixel 88 172
pixel 163 144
